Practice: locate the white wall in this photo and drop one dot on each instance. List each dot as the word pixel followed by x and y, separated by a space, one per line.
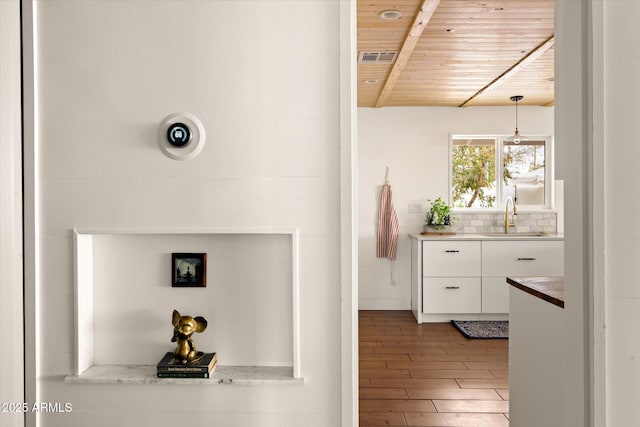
pixel 414 143
pixel 121 47
pixel 264 79
pixel 622 237
pixel 572 149
pixel 11 325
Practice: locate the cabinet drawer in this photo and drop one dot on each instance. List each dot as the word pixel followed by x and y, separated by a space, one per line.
pixel 523 258
pixel 444 258
pixel 451 295
pixel 495 295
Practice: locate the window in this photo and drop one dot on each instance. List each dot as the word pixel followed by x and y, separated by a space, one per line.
pixel 486 170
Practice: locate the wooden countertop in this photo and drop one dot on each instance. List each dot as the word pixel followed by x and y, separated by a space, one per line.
pixel 548 288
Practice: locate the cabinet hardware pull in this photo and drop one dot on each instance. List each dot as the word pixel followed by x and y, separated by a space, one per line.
pixel 452 251
pixel 452 287
pixel 526 259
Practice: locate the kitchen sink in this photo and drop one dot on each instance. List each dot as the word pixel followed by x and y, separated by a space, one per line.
pixel 526 234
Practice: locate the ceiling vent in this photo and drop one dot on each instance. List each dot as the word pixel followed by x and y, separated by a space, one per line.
pixel 384 57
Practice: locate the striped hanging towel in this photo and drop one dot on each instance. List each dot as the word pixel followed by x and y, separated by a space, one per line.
pixel 387 238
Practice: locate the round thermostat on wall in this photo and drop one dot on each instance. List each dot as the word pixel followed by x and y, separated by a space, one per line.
pixel 181 136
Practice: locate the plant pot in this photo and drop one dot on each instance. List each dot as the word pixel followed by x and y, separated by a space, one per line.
pixel 441 229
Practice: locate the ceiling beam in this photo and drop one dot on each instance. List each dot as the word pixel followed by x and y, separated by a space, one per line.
pixel 530 57
pixel 409 44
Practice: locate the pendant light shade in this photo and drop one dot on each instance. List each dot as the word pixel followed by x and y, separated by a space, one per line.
pixel 516 138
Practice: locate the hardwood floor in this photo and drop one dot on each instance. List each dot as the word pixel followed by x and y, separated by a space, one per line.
pixel 429 374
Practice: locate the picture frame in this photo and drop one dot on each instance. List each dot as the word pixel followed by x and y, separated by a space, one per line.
pixel 188 270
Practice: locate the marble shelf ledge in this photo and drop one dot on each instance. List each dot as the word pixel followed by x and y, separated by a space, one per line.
pixel 223 375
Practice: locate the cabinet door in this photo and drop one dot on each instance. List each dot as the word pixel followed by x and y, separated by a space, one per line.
pixel 495 295
pixel 522 258
pixel 451 258
pixel 451 294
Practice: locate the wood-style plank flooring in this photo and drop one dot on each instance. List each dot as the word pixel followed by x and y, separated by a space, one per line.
pixel 429 374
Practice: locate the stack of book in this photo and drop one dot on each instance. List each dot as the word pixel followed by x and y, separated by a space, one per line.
pixel 169 368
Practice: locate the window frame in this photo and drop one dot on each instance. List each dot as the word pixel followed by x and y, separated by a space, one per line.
pixel 549 167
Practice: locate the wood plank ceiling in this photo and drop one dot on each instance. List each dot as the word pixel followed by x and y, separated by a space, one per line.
pixel 456 53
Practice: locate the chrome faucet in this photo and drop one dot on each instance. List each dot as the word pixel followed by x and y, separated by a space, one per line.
pixel 512 223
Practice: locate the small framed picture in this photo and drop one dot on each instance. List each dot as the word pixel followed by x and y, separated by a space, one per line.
pixel 189 270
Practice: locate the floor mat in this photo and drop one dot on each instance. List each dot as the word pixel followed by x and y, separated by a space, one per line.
pixel 483 328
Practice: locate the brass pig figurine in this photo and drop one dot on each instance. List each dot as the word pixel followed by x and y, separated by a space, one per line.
pixel 183 328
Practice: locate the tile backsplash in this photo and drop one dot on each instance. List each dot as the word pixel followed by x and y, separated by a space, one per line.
pixel 526 222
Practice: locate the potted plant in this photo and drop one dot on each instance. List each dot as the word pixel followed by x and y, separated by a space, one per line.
pixel 438 216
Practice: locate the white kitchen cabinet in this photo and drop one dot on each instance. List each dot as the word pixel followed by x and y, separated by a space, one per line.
pixel 495 295
pixel 445 259
pixel 451 294
pixel 451 277
pixel 522 258
pixel 465 277
pixel 515 258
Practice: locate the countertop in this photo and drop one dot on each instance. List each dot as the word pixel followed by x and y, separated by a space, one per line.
pixel 548 288
pixel 489 236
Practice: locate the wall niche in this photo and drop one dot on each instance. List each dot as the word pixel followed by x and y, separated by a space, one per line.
pixel 124 300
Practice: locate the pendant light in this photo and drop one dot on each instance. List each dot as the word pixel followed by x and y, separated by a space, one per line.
pixel 516 138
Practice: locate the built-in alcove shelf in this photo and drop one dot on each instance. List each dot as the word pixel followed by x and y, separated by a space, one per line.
pixel 124 299
pixel 223 375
